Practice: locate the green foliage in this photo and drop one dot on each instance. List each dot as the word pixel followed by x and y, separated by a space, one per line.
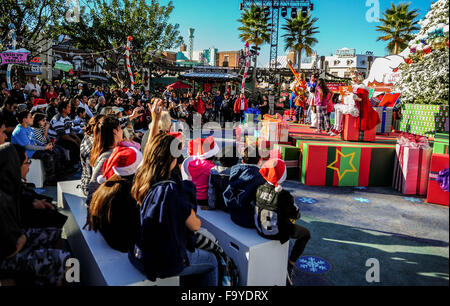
pixel 108 24
pixel 398 24
pixel 299 36
pixel 32 19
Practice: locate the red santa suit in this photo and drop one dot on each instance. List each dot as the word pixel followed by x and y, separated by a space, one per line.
pixel 369 118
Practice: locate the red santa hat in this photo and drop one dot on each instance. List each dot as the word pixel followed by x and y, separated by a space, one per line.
pixel 274 172
pixel 124 161
pixel 203 148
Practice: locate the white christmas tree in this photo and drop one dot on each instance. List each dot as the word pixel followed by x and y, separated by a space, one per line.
pixel 425 74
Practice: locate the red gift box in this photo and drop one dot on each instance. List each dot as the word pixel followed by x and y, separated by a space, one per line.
pixel 352 133
pixel 436 195
pixel 412 165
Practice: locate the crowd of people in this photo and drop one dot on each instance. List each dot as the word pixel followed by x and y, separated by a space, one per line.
pixel 141 195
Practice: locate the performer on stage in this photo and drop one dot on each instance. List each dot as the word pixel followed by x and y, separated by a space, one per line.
pixel 298 98
pixel 356 105
pixel 311 88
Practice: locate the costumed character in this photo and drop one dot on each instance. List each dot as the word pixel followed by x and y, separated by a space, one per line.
pixel 298 99
pixel 356 104
pixel 311 90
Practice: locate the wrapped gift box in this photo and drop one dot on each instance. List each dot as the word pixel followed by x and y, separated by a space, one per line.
pixel 441 142
pixel 438 180
pixel 411 167
pixel 352 133
pixel 291 156
pixel 346 164
pixel 275 130
pixel 252 118
pixel 385 114
pixel 425 120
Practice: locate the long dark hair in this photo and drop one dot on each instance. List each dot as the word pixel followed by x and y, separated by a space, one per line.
pixel 324 87
pixel 103 137
pixel 115 189
pixel 155 165
pixel 37 117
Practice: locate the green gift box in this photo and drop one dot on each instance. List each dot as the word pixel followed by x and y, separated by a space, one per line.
pixel 347 164
pixel 291 156
pixel 441 142
pixel 424 120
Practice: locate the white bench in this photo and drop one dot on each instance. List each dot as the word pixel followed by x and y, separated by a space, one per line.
pixel 261 262
pixel 36 174
pixel 100 265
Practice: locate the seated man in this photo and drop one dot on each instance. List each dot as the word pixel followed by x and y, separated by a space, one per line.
pixel 61 131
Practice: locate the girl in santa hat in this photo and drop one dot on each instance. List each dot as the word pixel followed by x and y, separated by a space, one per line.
pixel 165 244
pixel 113 211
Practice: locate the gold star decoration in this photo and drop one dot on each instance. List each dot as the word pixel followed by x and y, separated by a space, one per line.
pixel 353 169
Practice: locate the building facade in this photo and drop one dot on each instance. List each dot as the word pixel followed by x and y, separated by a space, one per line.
pixel 345 60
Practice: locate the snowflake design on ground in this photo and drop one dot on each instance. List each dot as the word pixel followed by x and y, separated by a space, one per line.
pixel 412 199
pixel 362 200
pixel 306 200
pixel 314 265
pixel 361 188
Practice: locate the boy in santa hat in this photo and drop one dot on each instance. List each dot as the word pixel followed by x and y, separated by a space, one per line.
pixel 239 197
pixel 197 167
pixel 276 214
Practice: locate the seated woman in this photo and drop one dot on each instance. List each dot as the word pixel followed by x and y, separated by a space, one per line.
pixel 40 131
pixel 36 210
pixel 165 245
pixel 113 211
pixel 25 253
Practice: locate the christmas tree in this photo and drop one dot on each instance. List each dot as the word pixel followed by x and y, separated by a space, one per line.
pixel 425 73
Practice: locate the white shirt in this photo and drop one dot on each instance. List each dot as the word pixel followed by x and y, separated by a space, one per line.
pixel 30 86
pixel 242 104
pixel 86 107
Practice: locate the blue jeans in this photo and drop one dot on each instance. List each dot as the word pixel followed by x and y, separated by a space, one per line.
pixel 204 263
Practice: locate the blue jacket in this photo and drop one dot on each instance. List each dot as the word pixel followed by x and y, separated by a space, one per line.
pixel 164 239
pixel 240 194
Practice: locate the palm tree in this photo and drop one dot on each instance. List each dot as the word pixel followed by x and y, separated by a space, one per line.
pixel 398 24
pixel 255 30
pixel 299 36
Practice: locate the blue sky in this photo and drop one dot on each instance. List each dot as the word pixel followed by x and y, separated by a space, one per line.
pixel 341 23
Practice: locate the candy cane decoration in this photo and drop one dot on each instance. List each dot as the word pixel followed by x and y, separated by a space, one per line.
pixel 8 71
pixel 127 55
pixel 247 65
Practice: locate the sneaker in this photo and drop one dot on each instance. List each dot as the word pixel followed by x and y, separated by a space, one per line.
pixel 333 134
pixel 289 275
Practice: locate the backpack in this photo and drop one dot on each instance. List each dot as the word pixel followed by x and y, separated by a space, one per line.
pixel 227 105
pixel 266 210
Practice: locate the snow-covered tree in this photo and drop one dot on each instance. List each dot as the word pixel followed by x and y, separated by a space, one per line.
pixel 425 74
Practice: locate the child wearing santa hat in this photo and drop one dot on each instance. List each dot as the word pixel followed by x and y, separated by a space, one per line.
pixel 113 212
pixel 276 214
pixel 198 165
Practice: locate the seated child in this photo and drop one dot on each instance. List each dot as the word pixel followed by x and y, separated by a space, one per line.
pixel 113 212
pixel 239 197
pixel 276 213
pixel 220 176
pixel 197 167
pixel 79 122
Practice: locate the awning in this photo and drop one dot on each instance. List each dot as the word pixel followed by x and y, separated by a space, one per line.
pixel 215 76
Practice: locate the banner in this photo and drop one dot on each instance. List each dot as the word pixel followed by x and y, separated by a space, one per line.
pixel 13 58
pixel 63 65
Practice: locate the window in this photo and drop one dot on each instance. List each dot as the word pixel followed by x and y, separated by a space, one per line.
pixel 335 73
pixel 363 62
pixel 349 62
pixel 347 74
pixel 336 63
pixel 78 63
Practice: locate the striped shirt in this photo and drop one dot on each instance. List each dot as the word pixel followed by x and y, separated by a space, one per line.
pixel 60 126
pixel 39 136
pixel 78 124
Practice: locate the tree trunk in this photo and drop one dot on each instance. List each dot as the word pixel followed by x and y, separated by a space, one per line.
pixel 299 60
pixel 396 45
pixel 254 74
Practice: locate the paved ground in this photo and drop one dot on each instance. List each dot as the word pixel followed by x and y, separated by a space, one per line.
pixel 408 238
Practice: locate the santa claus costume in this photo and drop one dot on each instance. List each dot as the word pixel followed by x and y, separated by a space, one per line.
pixel 356 105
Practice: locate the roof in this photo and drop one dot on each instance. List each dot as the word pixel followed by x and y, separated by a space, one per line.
pixel 203 75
